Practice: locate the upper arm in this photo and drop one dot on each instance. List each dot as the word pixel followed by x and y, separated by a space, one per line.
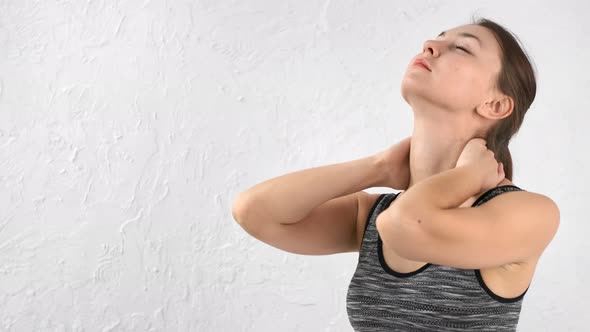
pixel 510 228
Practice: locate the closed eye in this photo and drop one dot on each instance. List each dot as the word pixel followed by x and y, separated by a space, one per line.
pixel 461 48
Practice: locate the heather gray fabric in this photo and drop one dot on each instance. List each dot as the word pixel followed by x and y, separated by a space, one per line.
pixel 433 298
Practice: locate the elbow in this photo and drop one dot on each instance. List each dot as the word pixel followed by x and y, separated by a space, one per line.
pixel 390 215
pixel 236 212
pixel 386 222
pixel 395 233
pixel 239 208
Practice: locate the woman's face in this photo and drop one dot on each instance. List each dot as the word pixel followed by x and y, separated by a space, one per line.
pixel 463 70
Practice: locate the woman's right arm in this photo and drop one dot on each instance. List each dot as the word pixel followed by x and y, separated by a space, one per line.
pixel 289 198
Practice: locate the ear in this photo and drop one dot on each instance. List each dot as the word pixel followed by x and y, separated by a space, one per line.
pixel 502 107
pixel 497 108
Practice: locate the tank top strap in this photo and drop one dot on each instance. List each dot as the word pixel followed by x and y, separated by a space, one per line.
pixel 495 192
pixel 381 203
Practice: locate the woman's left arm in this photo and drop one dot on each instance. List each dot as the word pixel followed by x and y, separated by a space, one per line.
pixel 445 190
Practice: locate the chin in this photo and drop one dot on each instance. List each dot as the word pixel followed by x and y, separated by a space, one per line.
pixel 406 91
pixel 411 93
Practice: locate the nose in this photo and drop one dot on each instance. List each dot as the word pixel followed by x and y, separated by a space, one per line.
pixel 432 47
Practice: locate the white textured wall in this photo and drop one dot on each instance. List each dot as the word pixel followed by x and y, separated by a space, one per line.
pixel 128 127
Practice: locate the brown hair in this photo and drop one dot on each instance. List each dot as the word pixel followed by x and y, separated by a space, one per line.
pixel 517 80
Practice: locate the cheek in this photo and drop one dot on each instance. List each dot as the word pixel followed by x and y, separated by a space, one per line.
pixel 463 85
pixel 452 85
pixel 462 75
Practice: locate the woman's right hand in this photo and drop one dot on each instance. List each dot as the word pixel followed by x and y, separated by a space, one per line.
pixel 395 163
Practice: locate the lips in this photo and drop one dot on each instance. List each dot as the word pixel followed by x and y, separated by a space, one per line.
pixel 422 62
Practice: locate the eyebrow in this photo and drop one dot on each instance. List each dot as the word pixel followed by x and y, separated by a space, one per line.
pixel 464 34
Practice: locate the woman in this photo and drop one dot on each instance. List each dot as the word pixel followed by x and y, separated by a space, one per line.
pixel 450 267
pixel 456 249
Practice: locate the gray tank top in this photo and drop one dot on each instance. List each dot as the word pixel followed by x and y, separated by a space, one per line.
pixel 432 298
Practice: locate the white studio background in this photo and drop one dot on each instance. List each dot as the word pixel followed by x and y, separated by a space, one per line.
pixel 127 128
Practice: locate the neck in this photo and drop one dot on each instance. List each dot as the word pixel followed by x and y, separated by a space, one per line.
pixel 435 148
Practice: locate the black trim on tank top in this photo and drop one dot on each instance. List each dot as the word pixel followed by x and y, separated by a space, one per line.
pixel 495 296
pixel 371 213
pixel 392 271
pixel 484 196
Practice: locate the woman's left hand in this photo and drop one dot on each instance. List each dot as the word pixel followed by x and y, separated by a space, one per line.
pixel 476 154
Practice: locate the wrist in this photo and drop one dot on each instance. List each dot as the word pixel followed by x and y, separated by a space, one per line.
pixel 472 175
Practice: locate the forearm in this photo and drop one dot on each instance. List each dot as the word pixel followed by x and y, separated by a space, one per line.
pixel 289 198
pixel 446 190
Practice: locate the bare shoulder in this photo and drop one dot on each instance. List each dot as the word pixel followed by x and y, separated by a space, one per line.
pixel 366 203
pixel 545 201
